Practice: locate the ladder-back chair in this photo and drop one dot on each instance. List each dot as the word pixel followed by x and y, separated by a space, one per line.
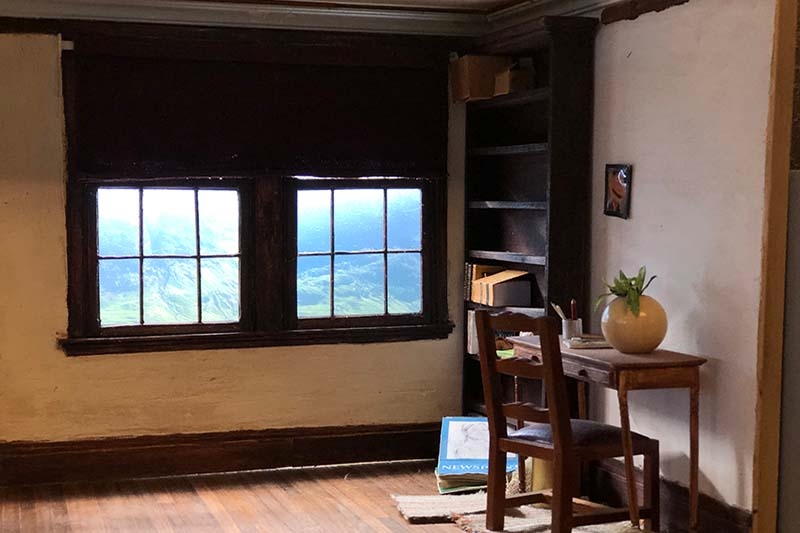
pixel 549 433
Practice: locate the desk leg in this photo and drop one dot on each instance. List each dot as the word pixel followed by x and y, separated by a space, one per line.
pixel 583 413
pixel 627 448
pixel 694 405
pixel 583 406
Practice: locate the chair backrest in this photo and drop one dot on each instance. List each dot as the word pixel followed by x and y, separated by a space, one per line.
pixel 549 370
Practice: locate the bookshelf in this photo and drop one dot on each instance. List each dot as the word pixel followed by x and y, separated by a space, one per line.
pixel 528 169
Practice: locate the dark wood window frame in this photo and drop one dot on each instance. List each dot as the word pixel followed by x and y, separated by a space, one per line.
pixel 255 129
pixel 427 251
pixel 268 272
pixel 91 296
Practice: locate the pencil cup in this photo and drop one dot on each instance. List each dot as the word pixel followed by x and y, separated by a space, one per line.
pixel 571 328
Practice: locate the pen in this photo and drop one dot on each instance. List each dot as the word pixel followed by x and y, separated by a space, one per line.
pixel 573 309
pixel 559 311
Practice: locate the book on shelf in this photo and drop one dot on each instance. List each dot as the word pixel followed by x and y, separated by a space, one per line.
pixel 463 463
pixel 474 272
pixel 504 288
pixel 472 333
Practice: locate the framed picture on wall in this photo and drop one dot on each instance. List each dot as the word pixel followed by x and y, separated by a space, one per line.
pixel 618 191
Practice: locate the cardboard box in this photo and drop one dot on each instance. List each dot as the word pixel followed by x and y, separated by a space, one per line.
pixel 472 77
pixel 512 81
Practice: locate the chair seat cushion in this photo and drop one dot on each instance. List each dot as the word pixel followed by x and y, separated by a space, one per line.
pixel 584 433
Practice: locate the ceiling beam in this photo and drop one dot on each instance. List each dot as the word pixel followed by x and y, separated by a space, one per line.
pixel 312 17
pixel 225 14
pixel 534 9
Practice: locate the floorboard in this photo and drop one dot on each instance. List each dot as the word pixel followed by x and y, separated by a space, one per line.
pixel 344 498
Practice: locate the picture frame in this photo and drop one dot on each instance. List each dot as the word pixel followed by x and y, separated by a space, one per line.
pixel 617 184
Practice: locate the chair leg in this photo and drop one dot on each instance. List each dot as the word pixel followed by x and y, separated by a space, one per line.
pixel 563 489
pixel 577 479
pixel 496 490
pixel 652 487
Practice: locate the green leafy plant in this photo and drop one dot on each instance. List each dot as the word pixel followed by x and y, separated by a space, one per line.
pixel 629 288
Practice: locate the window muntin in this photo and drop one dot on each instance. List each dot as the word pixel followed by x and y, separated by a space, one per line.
pixel 359 251
pixel 168 256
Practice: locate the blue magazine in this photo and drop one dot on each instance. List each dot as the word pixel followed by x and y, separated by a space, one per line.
pixel 464 447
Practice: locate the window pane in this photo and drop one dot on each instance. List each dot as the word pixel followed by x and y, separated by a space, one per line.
pixel 314 221
pixel 404 219
pixel 358 285
pixel 168 222
pixel 170 291
pixel 405 283
pixel 313 287
pixel 119 292
pixel 358 219
pixel 118 222
pixel 219 222
pixel 219 282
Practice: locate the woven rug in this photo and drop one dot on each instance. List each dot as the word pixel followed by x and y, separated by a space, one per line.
pixel 439 508
pixel 467 511
pixel 529 519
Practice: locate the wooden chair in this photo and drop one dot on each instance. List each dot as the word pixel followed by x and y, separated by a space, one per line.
pixel 549 433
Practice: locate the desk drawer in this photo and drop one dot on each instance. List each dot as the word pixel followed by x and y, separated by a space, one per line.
pixel 590 374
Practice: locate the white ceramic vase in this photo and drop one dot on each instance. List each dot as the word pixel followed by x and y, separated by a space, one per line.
pixel 634 334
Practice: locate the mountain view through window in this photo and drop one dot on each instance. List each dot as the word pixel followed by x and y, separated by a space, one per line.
pixel 168 256
pixel 172 255
pixel 359 252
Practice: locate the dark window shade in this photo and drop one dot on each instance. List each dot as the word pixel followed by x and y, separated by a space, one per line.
pixel 140 116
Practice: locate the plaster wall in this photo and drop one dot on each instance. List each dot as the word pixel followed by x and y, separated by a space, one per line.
pixel 46 396
pixel 683 95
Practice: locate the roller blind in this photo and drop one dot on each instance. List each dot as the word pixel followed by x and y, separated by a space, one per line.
pixel 152 113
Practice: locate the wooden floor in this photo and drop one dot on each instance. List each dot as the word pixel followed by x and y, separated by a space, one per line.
pixel 348 498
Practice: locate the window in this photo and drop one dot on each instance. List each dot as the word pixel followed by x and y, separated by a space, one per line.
pixel 254 260
pixel 187 224
pixel 359 250
pixel 167 256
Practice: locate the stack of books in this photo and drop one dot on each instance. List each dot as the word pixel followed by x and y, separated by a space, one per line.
pixel 496 286
pixel 464 454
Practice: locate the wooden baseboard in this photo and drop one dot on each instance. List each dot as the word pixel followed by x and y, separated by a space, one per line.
pixel 24 463
pixel 607 485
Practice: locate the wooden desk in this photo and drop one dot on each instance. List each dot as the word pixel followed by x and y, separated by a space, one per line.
pixel 661 369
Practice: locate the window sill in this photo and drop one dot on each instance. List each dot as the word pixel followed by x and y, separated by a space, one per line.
pixel 218 341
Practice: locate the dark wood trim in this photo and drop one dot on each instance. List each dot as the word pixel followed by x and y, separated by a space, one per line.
pixel 244 44
pixel 287 298
pixel 25 463
pixel 607 485
pixel 269 257
pixel 535 34
pixel 355 5
pixel 571 103
pixel 216 341
pixel 631 9
pixel 246 256
pixel 435 238
pixel 77 245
